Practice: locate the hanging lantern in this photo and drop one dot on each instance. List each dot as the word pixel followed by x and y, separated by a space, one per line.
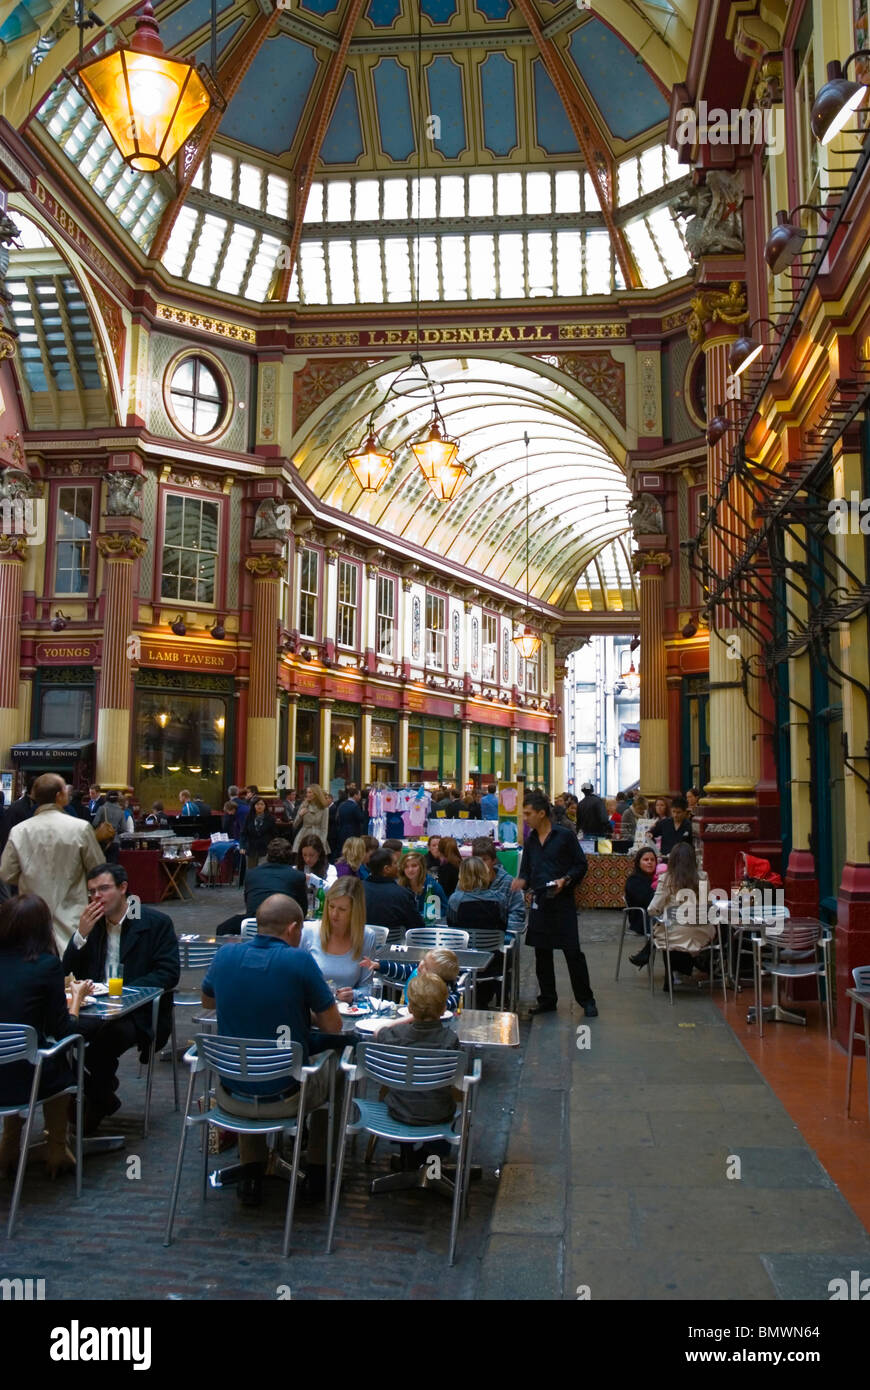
pixel 631 679
pixel 527 643
pixel 370 464
pixel 448 480
pixel 150 103
pixel 436 452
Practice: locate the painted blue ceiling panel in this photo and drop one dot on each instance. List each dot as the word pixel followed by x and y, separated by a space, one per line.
pixel 343 142
pixel 383 13
pixel 26 18
pixel 554 131
pixel 176 27
pixel 319 6
pixel 493 9
pixel 266 109
pixel 394 109
pixel 498 86
pixel 444 79
pixel 225 37
pixel 620 86
pixel 438 11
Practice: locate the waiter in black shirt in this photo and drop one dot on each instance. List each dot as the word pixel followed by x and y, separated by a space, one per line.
pixel 552 864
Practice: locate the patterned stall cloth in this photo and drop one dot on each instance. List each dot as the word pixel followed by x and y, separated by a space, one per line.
pixel 604 884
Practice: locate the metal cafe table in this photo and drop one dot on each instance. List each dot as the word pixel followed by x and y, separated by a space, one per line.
pixel 105 1009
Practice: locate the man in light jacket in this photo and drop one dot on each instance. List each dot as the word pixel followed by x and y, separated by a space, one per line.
pixel 50 854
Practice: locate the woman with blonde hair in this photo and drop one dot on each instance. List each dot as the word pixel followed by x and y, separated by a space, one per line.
pixel 312 818
pixel 353 856
pixel 475 903
pixel 342 943
pixel 414 876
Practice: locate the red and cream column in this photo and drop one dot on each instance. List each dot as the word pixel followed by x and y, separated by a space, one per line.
pixel 120 550
pixel 13 554
pixel 262 743
pixel 651 564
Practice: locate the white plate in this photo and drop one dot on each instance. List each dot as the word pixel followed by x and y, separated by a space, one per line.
pixel 405 1012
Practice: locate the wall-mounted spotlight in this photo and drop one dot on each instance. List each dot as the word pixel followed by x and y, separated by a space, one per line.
pixel 837 99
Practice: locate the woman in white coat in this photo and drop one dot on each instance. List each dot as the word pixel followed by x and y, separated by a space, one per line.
pixel 312 818
pixel 691 935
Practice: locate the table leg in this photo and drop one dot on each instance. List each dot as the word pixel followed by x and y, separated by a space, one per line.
pixel 853 1003
pixel 867 1053
pixel 149 1076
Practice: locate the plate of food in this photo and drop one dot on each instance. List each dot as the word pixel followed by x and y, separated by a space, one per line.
pixel 352 1010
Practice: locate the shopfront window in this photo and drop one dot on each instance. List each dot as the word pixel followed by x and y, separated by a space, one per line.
pixel 66 712
pixel 533 759
pixel 344 752
pixel 383 759
pixel 180 746
pixel 489 753
pixel 433 751
pixel 307 747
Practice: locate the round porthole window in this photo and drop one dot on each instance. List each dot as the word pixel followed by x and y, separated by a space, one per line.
pixel 198 396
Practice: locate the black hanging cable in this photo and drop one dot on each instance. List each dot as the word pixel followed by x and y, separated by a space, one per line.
pixel 419 164
pixel 214 38
pixel 526 441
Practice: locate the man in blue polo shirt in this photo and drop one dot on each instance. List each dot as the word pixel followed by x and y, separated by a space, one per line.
pixel 259 988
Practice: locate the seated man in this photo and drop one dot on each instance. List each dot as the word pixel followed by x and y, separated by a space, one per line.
pixel 258 988
pixel 144 950
pixel 276 875
pixel 388 904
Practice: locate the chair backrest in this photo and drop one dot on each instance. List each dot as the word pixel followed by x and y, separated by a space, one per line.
pixel 18 1043
pixel 194 955
pixel 249 926
pixel 411 1068
pixel 250 1059
pixel 795 934
pixel 486 938
pixel 451 938
pixel 381 934
pixel 861 978
pixel 482 914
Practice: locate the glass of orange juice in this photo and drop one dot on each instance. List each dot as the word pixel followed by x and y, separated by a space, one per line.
pixel 116 985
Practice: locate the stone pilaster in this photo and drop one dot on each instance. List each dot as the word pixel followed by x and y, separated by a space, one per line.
pixel 262 741
pixel 120 549
pixel 650 563
pixel 13 554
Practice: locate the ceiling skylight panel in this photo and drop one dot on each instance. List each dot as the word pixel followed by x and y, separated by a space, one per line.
pixel 293 292
pixel 511 265
pixel 211 239
pixel 367 200
pixel 482 256
pixel 312 272
pixel 652 175
pixel 180 239
pixel 652 272
pixel 398 264
pixel 263 269
pixel 220 175
pixel 429 268
pixel 508 193
pixel 669 242
pixel 343 290
pixel 199 176
pixel 314 206
pixel 338 200
pixel 569 263
pixel 370 271
pixel 250 185
pixel 451 196
pixel 480 195
pixel 277 195
pixel 539 192
pixel 395 200
pixel 598 264
pixel 453 268
pixel 31 238
pixel 568 191
pixel 540 251
pixel 628 181
pixel 235 263
pixel 673 168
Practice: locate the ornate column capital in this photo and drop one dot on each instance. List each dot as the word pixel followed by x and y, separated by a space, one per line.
pixel 657 560
pixel 13 547
pixel 119 545
pixel 710 305
pixel 266 566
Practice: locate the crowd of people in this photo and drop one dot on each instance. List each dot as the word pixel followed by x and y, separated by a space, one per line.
pixel 67 922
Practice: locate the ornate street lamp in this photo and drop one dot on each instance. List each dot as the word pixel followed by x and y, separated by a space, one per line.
pixel 370 463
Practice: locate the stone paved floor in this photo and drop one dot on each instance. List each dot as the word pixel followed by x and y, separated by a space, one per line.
pixel 604 1168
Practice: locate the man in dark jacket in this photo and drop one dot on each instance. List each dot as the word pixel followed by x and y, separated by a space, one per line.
pixel 352 823
pixel 592 817
pixel 276 875
pixel 19 810
pixel 144 949
pixel 388 904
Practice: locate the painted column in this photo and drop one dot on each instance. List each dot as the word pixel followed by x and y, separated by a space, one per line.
pixel 404 719
pixel 853 899
pixel 120 550
pixel 262 742
pixel 325 741
pixel 654 769
pixel 13 554
pixel 801 881
pixel 465 758
pixel 512 774
pixel 555 786
pixel 365 742
pixel 290 751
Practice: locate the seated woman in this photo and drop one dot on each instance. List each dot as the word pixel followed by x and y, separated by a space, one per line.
pixel 449 860
pixel 640 888
pixel 432 860
pixel 353 857
pixel 686 939
pixel 371 845
pixel 342 944
pixel 32 992
pixel 311 857
pixel 413 875
pixel 475 903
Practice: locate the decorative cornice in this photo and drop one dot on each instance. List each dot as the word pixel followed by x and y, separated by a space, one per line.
pixel 266 566
pixel 119 546
pixel 220 328
pixel 714 306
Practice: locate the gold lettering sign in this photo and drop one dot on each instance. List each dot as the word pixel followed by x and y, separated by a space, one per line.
pixel 472 334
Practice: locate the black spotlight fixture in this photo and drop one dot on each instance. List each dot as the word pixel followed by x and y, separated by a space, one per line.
pixel 785 242
pixel 718 426
pixel 217 630
pixel 59 621
pixel 691 628
pixel 745 349
pixel 179 627
pixel 837 99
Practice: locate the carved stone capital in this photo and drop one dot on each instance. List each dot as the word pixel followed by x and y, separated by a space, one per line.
pixel 7 345
pixel 716 306
pixel 266 566
pixel 14 546
pixel 660 559
pixel 119 546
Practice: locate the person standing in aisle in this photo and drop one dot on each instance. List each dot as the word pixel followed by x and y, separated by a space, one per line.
pixel 552 863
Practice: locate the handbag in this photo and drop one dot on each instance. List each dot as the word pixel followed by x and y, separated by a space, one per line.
pixel 105 832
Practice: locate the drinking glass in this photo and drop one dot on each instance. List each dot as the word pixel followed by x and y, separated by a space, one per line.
pixel 116 984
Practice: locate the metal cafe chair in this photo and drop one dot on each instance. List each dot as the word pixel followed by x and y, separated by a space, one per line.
pixel 193 956
pixel 628 913
pixel 381 934
pixel 407 1069
pixel 19 1042
pixel 493 939
pixel 859 995
pixel 250 1059
pixel 430 938
pixel 249 927
pixel 669 920
pixel 747 923
pixel 797 946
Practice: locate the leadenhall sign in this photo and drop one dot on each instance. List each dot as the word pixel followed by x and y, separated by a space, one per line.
pixel 472 334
